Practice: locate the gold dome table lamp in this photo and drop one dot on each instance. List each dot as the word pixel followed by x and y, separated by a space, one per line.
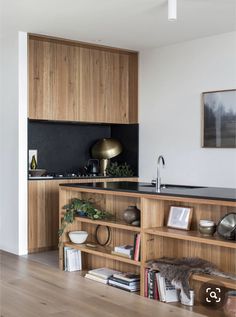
pixel 104 150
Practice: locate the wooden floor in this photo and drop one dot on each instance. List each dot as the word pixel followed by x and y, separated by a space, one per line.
pixel 31 289
pixel 50 258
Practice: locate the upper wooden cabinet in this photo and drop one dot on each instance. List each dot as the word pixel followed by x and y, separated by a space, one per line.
pixel 78 82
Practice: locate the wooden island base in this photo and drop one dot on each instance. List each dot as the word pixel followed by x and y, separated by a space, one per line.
pixel 156 239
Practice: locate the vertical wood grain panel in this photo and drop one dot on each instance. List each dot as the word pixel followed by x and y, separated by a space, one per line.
pixel 133 88
pixel 72 83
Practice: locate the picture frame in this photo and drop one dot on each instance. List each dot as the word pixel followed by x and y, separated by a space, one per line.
pixel 219 119
pixel 180 217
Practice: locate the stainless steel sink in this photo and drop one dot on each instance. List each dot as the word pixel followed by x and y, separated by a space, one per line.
pixel 168 186
pixel 179 186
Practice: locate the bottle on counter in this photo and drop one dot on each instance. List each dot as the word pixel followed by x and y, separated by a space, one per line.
pixel 33 164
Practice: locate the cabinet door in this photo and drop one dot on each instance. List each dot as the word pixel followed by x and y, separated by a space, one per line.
pixel 43 215
pixel 104 86
pixel 54 74
pixel 81 83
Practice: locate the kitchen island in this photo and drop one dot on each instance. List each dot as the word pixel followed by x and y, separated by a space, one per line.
pixel 144 189
pixel 157 240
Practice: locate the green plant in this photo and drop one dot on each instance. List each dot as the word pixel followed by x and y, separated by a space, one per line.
pixel 119 170
pixel 77 205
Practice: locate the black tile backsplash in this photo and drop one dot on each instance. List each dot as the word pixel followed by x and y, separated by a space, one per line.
pixel 66 146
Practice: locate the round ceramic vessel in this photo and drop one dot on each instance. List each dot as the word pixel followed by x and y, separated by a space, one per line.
pixel 78 236
pixel 207 231
pixel 131 214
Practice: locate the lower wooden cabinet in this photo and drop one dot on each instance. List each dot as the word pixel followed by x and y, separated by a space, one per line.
pixel 43 209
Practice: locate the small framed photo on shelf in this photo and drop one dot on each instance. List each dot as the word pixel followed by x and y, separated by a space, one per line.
pixel 180 217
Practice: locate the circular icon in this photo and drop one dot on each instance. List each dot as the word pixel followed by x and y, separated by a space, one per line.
pixel 213 295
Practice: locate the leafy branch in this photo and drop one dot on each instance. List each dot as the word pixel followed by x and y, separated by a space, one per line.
pixel 86 207
pixel 119 170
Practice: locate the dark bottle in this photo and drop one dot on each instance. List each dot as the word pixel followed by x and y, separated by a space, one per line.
pixel 33 164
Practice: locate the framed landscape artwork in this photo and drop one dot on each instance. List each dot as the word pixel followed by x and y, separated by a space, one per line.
pixel 219 119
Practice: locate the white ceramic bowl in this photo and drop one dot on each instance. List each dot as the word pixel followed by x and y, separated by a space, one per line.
pixel 78 236
pixel 206 223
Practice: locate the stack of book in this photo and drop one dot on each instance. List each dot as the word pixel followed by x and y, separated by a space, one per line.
pixel 159 288
pixel 126 251
pixel 101 275
pixel 126 281
pixel 72 259
pixel 130 251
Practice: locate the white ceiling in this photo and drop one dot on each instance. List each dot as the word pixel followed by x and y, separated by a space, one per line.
pixel 135 24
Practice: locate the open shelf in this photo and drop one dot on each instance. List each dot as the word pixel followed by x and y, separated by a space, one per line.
pixel 157 240
pixel 102 252
pixel 119 224
pixel 190 236
pixel 228 283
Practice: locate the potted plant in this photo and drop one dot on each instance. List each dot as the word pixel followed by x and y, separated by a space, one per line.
pixel 82 208
pixel 119 170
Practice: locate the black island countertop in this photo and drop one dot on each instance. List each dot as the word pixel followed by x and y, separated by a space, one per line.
pixel 38 178
pixel 201 192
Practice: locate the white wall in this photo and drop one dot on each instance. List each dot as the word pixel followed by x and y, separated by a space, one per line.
pixel 23 142
pixel 13 142
pixel 171 82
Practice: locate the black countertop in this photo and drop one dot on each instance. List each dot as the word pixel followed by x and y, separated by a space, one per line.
pixel 38 178
pixel 215 193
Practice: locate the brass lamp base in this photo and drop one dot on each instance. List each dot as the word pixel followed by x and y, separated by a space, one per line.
pixel 104 163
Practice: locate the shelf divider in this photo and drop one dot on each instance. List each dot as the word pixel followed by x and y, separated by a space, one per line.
pixel 102 252
pixel 190 236
pixel 113 224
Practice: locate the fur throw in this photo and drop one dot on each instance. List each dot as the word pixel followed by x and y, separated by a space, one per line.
pixel 179 270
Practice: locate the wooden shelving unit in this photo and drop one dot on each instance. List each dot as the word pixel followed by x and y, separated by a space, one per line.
pixel 119 224
pixel 102 252
pixel 190 236
pixel 156 239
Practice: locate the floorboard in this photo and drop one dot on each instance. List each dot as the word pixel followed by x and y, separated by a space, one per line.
pixel 32 289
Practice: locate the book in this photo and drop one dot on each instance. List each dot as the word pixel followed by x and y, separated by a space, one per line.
pixel 151 284
pixel 146 283
pixel 137 247
pixel 130 277
pixel 117 280
pixel 135 239
pixel 167 292
pixel 159 288
pixel 96 278
pixel 122 254
pixel 65 258
pixel 72 259
pixel 125 249
pixel 122 286
pixel 156 292
pixel 171 294
pixel 104 272
pixel 124 289
pixel 160 285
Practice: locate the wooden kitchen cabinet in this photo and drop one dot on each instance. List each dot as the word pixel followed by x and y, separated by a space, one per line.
pixel 43 208
pixel 73 81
